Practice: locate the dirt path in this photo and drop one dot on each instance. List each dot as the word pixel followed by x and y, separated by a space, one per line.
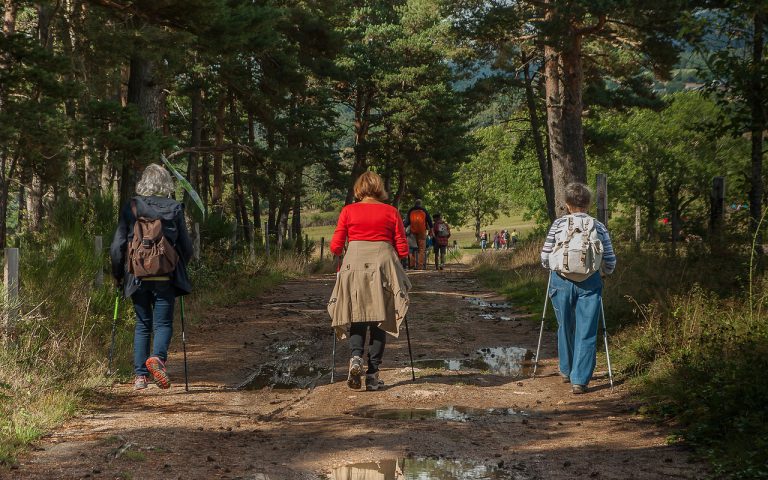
pixel 217 431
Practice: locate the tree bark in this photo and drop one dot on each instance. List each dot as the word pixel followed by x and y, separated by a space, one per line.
pixel 545 165
pixel 218 175
pixel 196 140
pixel 363 100
pixel 563 89
pixel 237 180
pixel 296 218
pixel 145 92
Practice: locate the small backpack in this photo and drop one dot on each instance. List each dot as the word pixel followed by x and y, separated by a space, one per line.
pixel 578 251
pixel 150 254
pixel 442 230
pixel 418 220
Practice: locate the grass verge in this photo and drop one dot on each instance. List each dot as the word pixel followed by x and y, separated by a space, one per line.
pixel 688 338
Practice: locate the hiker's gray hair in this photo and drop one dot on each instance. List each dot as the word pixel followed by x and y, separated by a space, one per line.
pixel 156 181
pixel 418 202
pixel 578 195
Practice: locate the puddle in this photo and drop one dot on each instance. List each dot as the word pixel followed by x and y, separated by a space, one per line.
pixel 479 302
pixel 451 413
pixel 283 376
pixel 291 368
pixel 505 361
pixel 418 469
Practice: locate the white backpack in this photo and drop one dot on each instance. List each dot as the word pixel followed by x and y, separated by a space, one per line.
pixel 578 251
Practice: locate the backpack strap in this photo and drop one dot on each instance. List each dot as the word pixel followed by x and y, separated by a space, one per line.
pixel 133 208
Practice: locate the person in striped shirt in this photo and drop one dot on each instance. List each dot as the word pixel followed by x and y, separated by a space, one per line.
pixel 577 304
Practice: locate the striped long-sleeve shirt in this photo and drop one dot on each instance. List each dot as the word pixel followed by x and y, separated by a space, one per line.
pixel 609 257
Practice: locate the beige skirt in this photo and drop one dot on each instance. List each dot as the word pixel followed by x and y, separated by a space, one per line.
pixel 371 286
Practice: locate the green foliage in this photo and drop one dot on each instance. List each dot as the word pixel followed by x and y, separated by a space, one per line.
pixel 664 160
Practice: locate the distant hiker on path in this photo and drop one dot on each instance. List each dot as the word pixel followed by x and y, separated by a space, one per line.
pixel 413 248
pixel 483 241
pixel 576 250
pixel 441 232
pixel 149 263
pixel 371 291
pixel 421 223
pixel 513 237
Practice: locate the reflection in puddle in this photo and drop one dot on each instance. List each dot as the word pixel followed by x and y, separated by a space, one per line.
pixel 284 376
pixel 479 302
pixel 505 361
pixel 417 469
pixel 451 413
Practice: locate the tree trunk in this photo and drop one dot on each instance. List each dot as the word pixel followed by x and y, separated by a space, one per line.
pixel 758 122
pixel 653 211
pixel 205 174
pixel 563 87
pixel 545 165
pixel 218 176
pixel 145 92
pixel 296 219
pixel 196 141
pixel 237 180
pixel 256 202
pixel 401 186
pixel 363 99
pixel 34 203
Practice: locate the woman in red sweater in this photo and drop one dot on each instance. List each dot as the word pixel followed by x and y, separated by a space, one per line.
pixel 371 291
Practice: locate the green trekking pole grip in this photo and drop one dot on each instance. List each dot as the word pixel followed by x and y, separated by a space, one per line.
pixel 114 328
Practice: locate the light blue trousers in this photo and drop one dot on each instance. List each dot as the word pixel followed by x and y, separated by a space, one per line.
pixel 577 307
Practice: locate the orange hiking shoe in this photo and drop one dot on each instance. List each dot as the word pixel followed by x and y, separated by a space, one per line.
pixel 156 368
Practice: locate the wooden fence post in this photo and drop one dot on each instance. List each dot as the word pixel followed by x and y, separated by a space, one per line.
pixel 266 237
pixel 11 279
pixel 306 246
pixel 638 215
pixel 322 247
pixel 196 241
pixel 602 198
pixel 98 247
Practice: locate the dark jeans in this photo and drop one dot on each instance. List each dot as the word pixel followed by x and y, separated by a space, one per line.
pixel 378 339
pixel 153 303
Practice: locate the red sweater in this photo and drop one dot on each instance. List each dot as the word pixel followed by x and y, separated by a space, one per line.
pixel 370 222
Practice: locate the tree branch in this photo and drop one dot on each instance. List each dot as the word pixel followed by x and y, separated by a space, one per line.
pixel 593 28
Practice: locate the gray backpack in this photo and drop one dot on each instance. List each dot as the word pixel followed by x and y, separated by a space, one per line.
pixel 578 251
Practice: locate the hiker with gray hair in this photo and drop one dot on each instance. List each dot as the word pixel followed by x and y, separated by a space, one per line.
pixel 149 252
pixel 577 250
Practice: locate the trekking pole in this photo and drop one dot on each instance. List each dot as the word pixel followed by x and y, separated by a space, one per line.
pixel 541 329
pixel 410 352
pixel 184 346
pixel 333 331
pixel 605 339
pixel 114 327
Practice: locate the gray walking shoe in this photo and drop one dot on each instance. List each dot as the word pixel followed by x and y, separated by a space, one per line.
pixel 373 382
pixel 579 389
pixel 141 382
pixel 355 378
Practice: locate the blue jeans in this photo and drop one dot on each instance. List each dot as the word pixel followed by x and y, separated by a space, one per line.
pixel 483 244
pixel 577 307
pixel 153 303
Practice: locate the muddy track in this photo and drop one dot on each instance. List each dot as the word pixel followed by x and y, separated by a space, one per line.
pixel 538 430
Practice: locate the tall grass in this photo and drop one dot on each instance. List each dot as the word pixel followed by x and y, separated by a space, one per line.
pixel 687 336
